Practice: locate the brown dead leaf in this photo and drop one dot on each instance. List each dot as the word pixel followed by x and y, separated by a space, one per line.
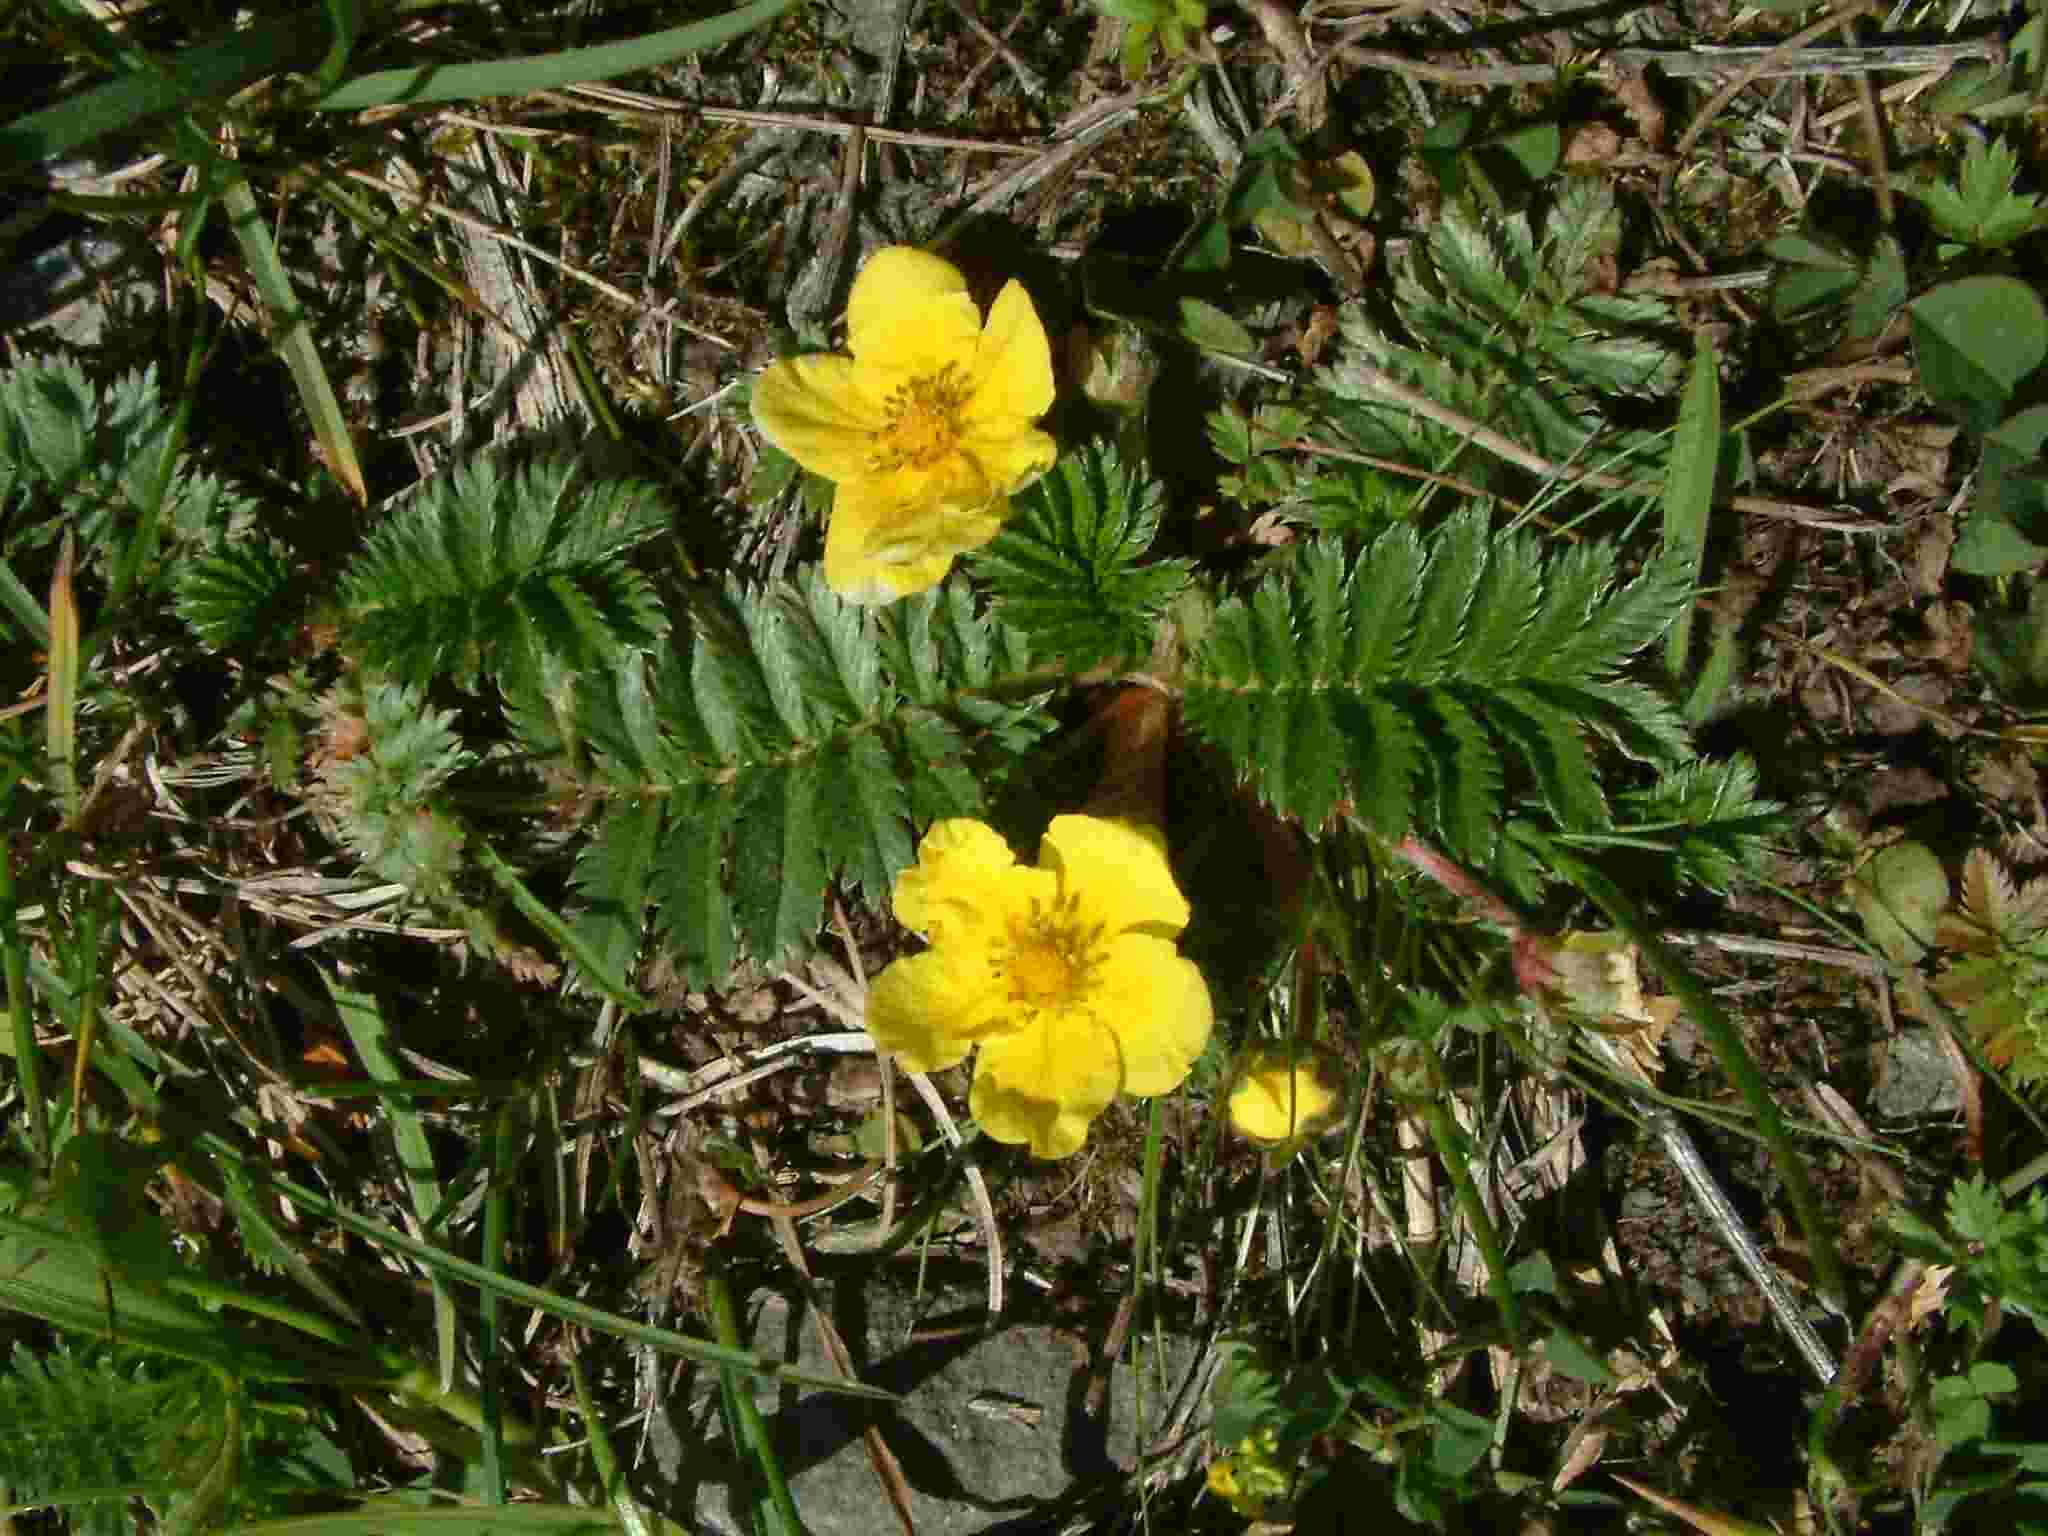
pixel 1633 91
pixel 1920 453
pixel 1592 144
pixel 1269 530
pixel 1950 636
pixel 1708 1522
pixel 530 965
pixel 1930 1295
pixel 1319 332
pixel 1928 547
pixel 1581 1453
pixel 1903 707
pixel 1600 977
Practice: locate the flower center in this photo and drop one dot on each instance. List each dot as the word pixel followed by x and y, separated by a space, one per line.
pixel 923 426
pixel 1051 957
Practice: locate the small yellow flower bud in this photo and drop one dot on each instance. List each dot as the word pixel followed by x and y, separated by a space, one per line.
pixel 1281 1094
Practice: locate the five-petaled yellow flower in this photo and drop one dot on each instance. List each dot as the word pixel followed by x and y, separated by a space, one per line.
pixel 1280 1095
pixel 1065 975
pixel 926 428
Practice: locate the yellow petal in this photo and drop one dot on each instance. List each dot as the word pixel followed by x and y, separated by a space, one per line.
pixel 910 313
pixel 929 1009
pixel 1011 461
pixel 964 872
pixel 1118 871
pixel 1278 1096
pixel 816 410
pixel 878 547
pixel 1012 375
pixel 1042 1085
pixel 1157 1004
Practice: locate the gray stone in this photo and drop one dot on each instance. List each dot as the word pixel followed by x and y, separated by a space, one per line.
pixel 1914 1079
pixel 992 1431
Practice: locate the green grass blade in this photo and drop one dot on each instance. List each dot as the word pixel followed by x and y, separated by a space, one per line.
pixel 293 338
pixel 564 1307
pixel 547 71
pixel 631 1517
pixel 543 917
pixel 28 1061
pixel 46 1272
pixel 211 71
pixel 1689 486
pixel 364 1021
pixel 745 1413
pixel 94 918
pixel 497 1225
pixel 382 1517
pixel 1457 1162
pixel 21 603
pixel 346 18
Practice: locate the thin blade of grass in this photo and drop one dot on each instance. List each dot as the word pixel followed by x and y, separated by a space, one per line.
pixel 211 71
pixel 609 1472
pixel 497 1225
pixel 364 1020
pixel 293 339
pixel 1472 1205
pixel 379 1517
pixel 346 18
pixel 543 917
pixel 1689 486
pixel 564 1307
pixel 61 712
pixel 547 71
pixel 746 1413
pixel 28 1059
pixel 48 1273
pixel 92 924
pixel 20 602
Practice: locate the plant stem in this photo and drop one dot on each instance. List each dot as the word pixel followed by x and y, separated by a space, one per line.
pixel 1444 1132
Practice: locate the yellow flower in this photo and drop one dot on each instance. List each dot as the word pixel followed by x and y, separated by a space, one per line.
pixel 1279 1095
pixel 926 429
pixel 1251 1479
pixel 1064 975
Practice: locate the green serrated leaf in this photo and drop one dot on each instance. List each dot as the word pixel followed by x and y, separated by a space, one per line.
pixel 1071 569
pixel 1982 207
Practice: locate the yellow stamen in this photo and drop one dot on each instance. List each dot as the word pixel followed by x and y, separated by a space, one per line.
pixel 1051 958
pixel 923 426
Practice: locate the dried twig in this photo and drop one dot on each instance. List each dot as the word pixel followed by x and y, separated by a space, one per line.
pixel 1027 77
pixel 1693 62
pixel 1873 131
pixel 1076 137
pixel 1748 76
